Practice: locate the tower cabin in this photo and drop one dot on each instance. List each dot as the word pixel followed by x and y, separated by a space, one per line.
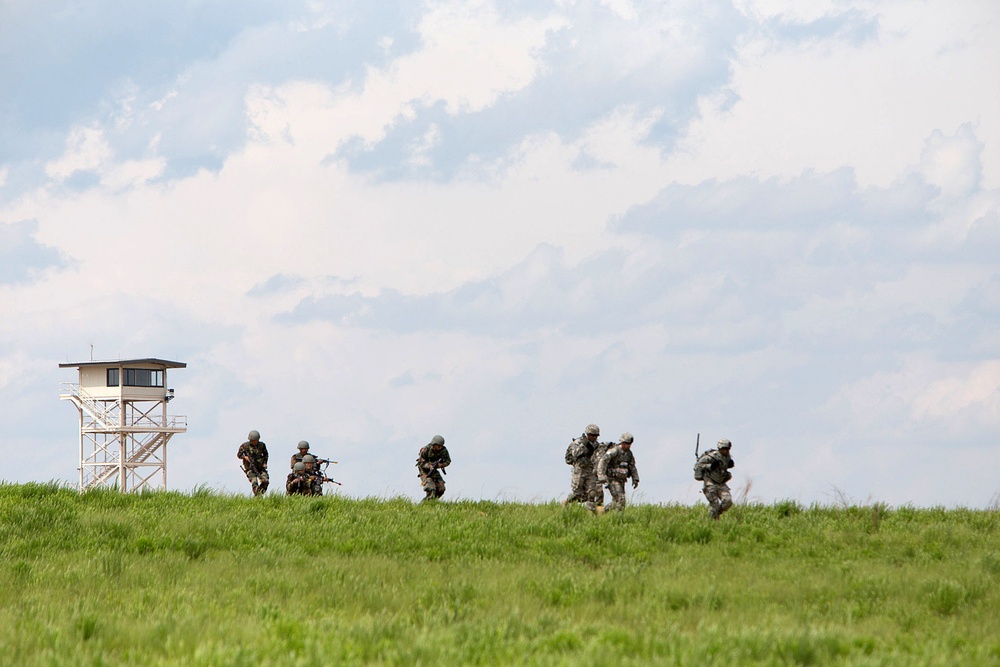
pixel 124 427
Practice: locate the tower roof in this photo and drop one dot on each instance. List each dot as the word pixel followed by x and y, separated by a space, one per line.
pixel 125 362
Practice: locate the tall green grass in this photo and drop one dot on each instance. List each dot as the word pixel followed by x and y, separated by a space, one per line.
pixel 173 579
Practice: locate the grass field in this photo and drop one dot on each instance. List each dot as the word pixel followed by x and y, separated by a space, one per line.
pixel 205 579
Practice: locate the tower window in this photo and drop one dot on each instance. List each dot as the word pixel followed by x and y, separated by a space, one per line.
pixel 136 377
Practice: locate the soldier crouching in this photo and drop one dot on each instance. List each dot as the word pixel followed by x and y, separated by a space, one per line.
pixel 253 455
pixel 431 462
pixel 298 482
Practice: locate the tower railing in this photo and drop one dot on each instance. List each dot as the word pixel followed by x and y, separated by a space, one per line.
pixel 104 413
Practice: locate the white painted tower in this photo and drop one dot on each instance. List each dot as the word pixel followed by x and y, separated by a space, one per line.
pixel 124 427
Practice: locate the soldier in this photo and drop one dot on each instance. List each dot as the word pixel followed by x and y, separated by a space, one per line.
pixel 303 447
pixel 315 476
pixel 616 466
pixel 431 462
pixel 253 454
pixel 298 482
pixel 583 483
pixel 713 469
pixel 598 454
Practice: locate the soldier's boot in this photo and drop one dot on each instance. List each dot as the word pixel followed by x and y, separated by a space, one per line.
pixel 253 486
pixel 263 488
pixel 590 505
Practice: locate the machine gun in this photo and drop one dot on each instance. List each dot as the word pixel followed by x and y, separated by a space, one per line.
pixel 321 474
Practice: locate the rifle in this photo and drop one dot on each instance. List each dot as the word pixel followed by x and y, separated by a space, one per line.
pixel 248 463
pixel 431 471
pixel 438 468
pixel 324 478
pixel 326 461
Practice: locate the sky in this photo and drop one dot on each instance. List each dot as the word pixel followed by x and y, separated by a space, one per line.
pixel 365 224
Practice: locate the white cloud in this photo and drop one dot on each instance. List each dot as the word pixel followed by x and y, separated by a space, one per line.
pixel 469 58
pixel 953 163
pixel 622 8
pixel 973 396
pixel 869 106
pixel 86 150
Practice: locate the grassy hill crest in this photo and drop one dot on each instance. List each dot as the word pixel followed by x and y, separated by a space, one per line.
pixel 206 579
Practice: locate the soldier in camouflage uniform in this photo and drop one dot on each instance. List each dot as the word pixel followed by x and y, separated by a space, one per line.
pixel 616 466
pixel 596 457
pixel 713 469
pixel 314 474
pixel 303 448
pixel 253 455
pixel 298 482
pixel 431 462
pixel 583 482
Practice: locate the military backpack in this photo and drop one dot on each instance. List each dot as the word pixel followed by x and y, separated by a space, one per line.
pixel 570 454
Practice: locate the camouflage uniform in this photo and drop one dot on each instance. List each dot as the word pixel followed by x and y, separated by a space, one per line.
pixel 298 483
pixel 599 451
pixel 314 474
pixel 583 482
pixel 713 468
pixel 616 466
pixel 431 460
pixel 256 471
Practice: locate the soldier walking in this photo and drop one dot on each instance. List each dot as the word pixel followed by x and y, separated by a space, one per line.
pixel 253 455
pixel 583 482
pixel 713 469
pixel 431 462
pixel 616 466
pixel 599 451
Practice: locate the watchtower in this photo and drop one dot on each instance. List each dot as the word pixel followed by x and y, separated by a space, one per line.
pixel 124 427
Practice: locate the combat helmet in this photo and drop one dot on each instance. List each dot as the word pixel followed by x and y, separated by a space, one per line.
pixel 303 444
pixel 253 435
pixel 592 429
pixel 299 466
pixel 724 444
pixel 308 458
pixel 437 440
pixel 626 437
